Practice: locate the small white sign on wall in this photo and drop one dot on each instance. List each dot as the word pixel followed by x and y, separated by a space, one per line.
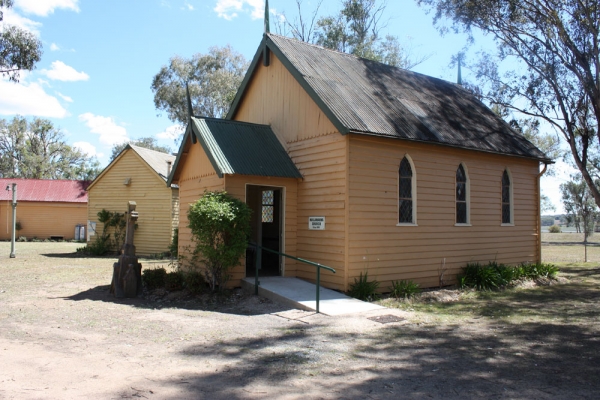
pixel 316 223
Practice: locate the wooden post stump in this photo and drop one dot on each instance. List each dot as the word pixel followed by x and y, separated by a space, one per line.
pixel 127 272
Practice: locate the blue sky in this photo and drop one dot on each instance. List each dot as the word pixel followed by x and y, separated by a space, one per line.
pixel 93 81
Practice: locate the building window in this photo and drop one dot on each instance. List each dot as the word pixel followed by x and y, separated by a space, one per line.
pixel 268 199
pixel 506 198
pixel 405 193
pixel 462 196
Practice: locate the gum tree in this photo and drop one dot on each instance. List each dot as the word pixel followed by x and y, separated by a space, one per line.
pixel 213 80
pixel 554 74
pixel 19 49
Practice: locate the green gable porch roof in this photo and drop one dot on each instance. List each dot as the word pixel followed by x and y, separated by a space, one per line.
pixel 239 148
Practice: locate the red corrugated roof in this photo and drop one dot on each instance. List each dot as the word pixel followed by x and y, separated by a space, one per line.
pixel 45 190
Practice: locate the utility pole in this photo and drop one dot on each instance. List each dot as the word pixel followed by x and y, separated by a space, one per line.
pixel 14 220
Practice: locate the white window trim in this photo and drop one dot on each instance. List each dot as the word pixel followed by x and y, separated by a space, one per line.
pixel 467 196
pixel 413 183
pixel 510 198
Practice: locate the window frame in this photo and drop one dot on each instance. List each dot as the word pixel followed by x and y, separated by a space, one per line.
pixel 467 196
pixel 264 205
pixel 413 182
pixel 510 198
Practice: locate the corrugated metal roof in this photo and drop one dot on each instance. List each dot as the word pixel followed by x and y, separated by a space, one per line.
pixel 363 96
pixel 155 159
pixel 243 148
pixel 64 191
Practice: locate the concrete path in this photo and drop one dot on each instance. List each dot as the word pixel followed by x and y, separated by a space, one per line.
pixel 301 294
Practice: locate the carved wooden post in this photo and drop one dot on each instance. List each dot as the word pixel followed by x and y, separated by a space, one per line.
pixel 132 216
pixel 127 272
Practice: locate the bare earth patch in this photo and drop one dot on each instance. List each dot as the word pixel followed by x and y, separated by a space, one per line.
pixel 63 336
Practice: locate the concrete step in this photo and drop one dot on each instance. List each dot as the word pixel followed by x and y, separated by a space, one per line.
pixel 301 294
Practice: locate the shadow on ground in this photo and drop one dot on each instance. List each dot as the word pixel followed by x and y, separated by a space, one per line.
pixel 523 344
pixel 231 302
pixel 67 255
pixel 524 361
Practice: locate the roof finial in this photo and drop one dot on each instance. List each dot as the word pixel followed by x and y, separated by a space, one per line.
pixel 459 78
pixel 189 101
pixel 267 25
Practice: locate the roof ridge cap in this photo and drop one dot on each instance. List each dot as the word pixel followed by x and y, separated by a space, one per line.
pixel 225 120
pixel 320 47
pixel 134 147
pixel 366 59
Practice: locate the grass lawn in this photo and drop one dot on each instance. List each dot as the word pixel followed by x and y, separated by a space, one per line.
pixel 569 248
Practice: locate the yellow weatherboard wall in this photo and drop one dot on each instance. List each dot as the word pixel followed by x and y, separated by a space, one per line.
pixel 390 252
pixel 275 98
pixel 156 203
pixel 43 220
pixel 352 181
pixel 196 176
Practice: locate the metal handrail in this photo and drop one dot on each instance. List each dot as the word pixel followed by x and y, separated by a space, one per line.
pixel 319 266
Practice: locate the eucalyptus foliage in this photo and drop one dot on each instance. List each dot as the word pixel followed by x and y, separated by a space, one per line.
pixel 220 226
pixel 19 49
pixel 554 70
pixel 355 29
pixel 37 150
pixel 213 81
pixel 580 206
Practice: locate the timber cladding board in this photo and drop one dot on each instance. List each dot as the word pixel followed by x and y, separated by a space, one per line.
pixel 415 252
pixel 322 192
pixel 153 198
pixel 196 174
pixel 352 181
pixel 275 98
pixel 43 219
pixel 318 150
pixel 174 208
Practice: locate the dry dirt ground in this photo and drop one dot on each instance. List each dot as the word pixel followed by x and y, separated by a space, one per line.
pixel 63 336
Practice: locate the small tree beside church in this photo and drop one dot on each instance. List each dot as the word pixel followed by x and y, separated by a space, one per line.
pixel 220 226
pixel 580 205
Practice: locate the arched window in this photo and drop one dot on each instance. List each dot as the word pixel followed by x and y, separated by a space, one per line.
pixel 405 193
pixel 506 199
pixel 462 196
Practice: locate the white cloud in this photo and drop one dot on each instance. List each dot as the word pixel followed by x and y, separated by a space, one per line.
pixel 172 132
pixel 110 133
pixel 12 18
pixel 188 6
pixel 229 9
pixel 28 99
pixel 54 47
pixel 65 98
pixel 62 72
pixel 87 148
pixel 45 7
